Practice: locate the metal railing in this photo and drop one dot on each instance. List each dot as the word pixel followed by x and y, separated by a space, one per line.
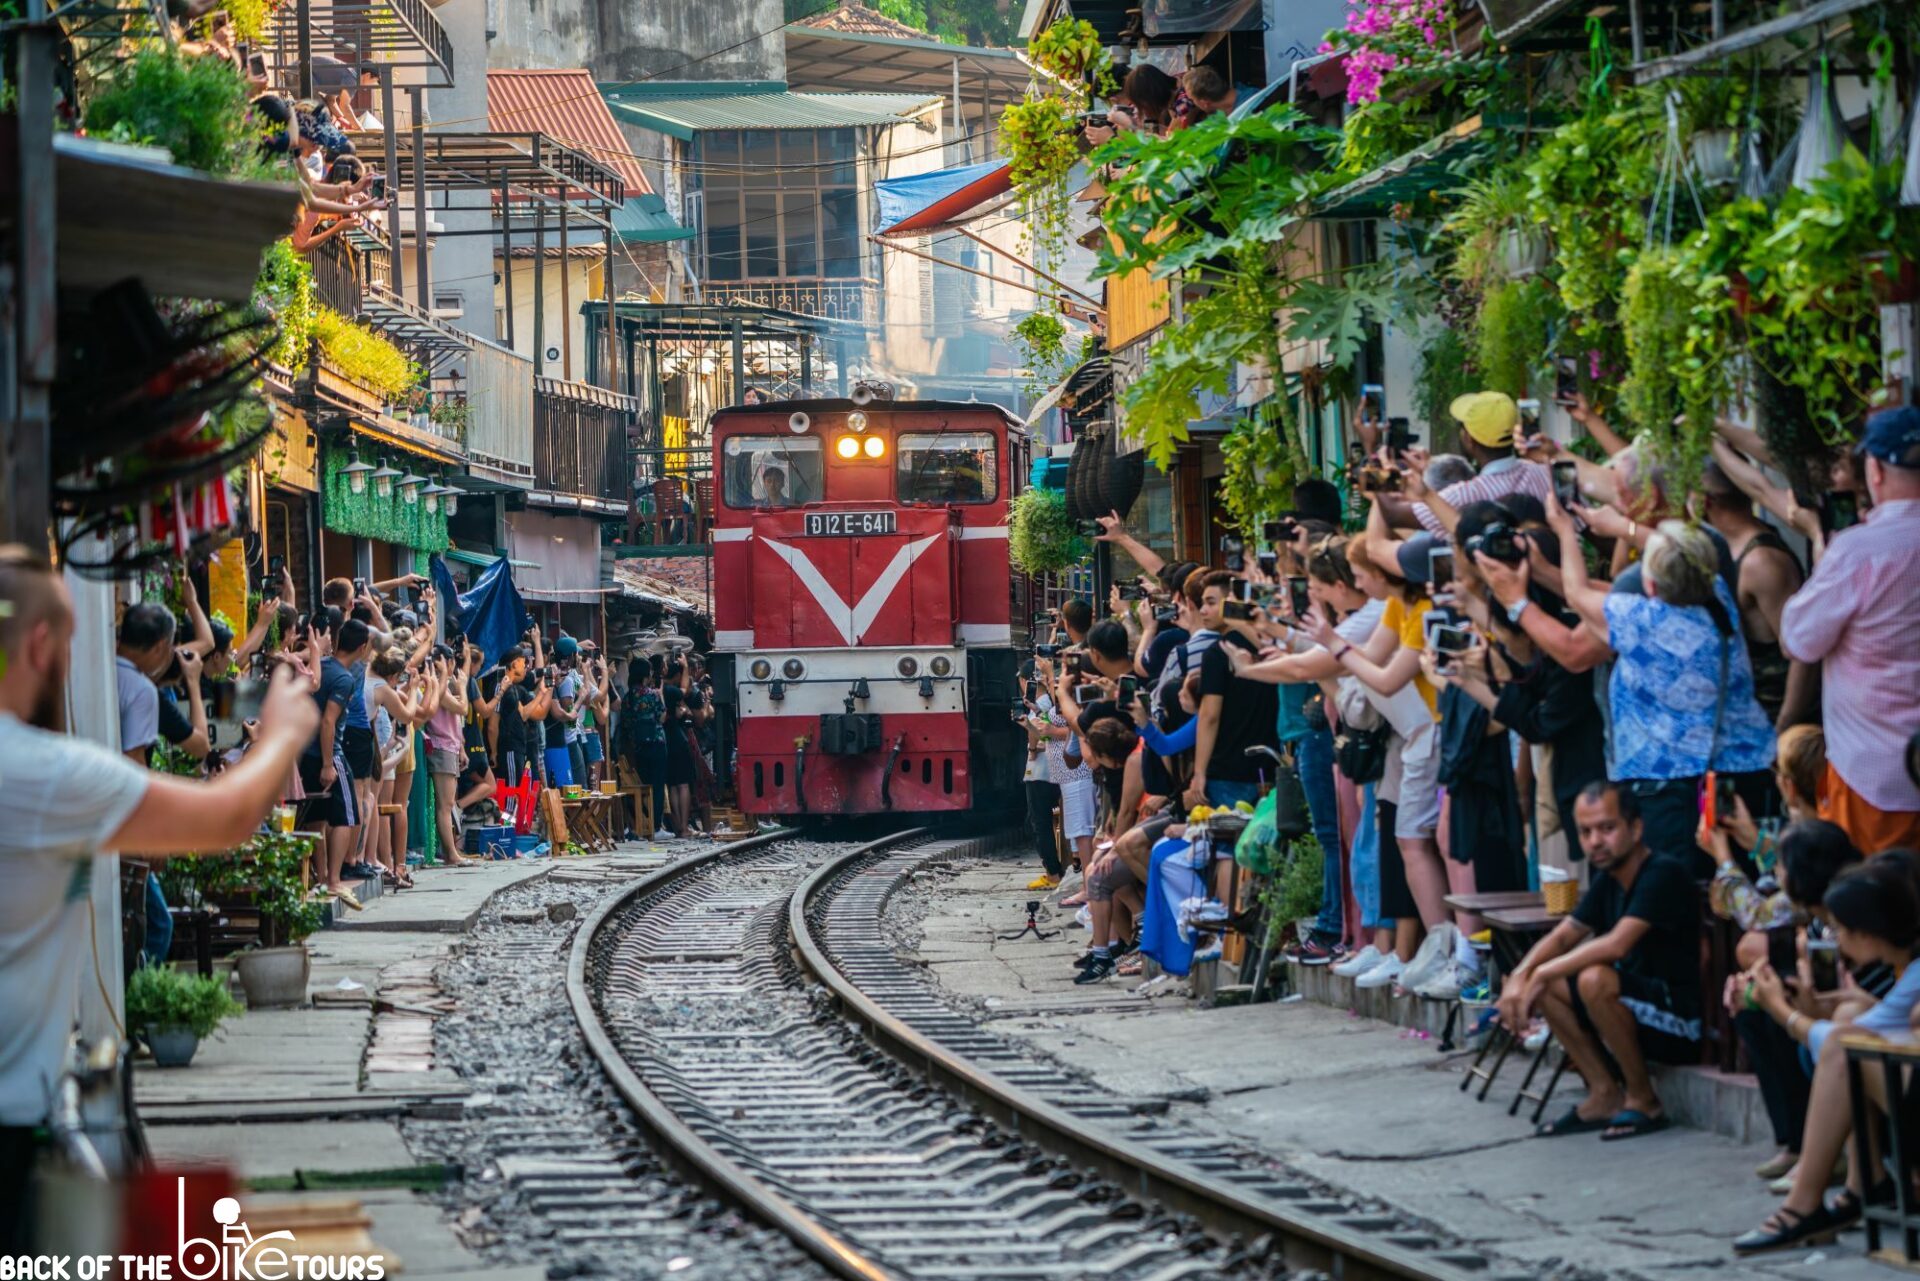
pixel 580 439
pixel 857 301
pixel 500 412
pixel 336 281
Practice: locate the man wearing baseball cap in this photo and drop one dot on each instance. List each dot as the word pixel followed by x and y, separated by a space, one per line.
pixel 1488 420
pixel 1858 616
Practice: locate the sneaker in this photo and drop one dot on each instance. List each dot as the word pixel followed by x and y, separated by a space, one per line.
pixel 1311 952
pixel 1043 882
pixel 1359 963
pixel 1084 917
pixel 664 834
pixel 1539 1035
pixel 1389 970
pixel 1099 968
pixel 1085 959
pixel 1480 993
pixel 1448 984
pixel 1436 950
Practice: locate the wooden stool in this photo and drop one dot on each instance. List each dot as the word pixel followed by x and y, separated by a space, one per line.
pixel 641 796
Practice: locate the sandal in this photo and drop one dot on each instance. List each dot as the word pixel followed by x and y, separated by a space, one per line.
pixel 1569 1122
pixel 1131 966
pixel 1786 1229
pixel 1633 1123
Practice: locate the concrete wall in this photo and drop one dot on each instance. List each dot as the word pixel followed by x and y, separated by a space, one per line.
pixel 583 285
pixel 463 265
pixel 667 39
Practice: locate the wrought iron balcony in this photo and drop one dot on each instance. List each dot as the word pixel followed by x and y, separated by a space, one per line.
pixel 580 444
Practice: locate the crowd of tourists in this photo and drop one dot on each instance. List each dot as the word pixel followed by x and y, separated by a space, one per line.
pixel 1532 667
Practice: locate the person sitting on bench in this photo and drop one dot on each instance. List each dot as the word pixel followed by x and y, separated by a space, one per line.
pixel 1618 980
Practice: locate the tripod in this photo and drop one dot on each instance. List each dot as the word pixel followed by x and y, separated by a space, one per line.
pixel 1033 924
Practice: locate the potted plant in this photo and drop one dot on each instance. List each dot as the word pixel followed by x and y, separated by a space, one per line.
pixel 1041 539
pixel 269 867
pixel 176 1011
pixel 1711 110
pixel 1497 236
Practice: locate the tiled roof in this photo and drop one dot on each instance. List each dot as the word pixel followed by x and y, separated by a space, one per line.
pixel 857 19
pixel 566 106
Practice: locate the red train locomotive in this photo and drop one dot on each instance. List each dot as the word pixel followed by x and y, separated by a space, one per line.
pixel 863 604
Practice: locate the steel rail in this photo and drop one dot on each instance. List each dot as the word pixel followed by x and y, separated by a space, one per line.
pixel 1306 1240
pixel 681 1146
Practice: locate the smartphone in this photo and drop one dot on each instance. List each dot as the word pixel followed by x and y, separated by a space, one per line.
pixel 1823 958
pixel 1783 952
pixel 359 586
pixel 1277 532
pixel 1269 562
pixel 1566 483
pixel 1399 434
pixel 1297 598
pixel 1235 548
pixel 1132 591
pixel 1237 609
pixel 1373 402
pixel 1839 510
pixel 1448 639
pixel 1529 414
pixel 1566 383
pixel 1439 569
pixel 257 65
pixel 1127 692
pixel 1725 798
pixel 379 188
pixel 1032 691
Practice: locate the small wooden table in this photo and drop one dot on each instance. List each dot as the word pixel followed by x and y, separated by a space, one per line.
pixel 1494 900
pixel 587 820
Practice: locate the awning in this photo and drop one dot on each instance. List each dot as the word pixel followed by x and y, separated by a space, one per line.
pixel 1429 167
pixel 926 202
pixel 480 560
pixel 685 109
pixel 645 220
pixel 566 549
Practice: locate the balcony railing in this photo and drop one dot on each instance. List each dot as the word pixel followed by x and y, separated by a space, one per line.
pixel 857 301
pixel 580 440
pixel 336 279
pixel 500 413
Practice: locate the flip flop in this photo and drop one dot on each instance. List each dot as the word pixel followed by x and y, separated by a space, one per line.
pixel 1075 900
pixel 1569 1122
pixel 1633 1123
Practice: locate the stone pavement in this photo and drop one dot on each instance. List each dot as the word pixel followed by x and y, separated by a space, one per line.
pixel 1366 1106
pixel 323 1088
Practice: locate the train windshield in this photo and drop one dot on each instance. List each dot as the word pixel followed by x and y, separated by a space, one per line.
pixel 773 471
pixel 946 466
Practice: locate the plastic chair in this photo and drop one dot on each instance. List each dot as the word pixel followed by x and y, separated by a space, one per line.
pixel 525 800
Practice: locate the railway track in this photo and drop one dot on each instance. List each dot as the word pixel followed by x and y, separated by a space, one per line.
pixel 748 1009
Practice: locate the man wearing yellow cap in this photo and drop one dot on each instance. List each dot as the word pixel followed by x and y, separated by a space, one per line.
pixel 1488 420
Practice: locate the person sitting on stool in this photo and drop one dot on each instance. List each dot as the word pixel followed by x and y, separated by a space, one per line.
pixel 1618 980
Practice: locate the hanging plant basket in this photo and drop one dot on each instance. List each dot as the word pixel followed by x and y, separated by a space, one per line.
pixel 1524 252
pixel 1715 161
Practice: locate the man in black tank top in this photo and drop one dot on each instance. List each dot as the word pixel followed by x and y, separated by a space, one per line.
pixel 1766 573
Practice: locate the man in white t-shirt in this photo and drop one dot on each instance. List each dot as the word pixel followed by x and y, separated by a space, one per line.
pixel 65 800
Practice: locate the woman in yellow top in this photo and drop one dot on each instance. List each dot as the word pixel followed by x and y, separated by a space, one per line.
pixel 1389 665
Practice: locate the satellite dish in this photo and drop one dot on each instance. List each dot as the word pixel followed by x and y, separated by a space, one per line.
pixel 798 422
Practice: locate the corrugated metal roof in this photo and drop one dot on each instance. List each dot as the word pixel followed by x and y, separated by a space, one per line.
pixel 567 106
pixel 645 219
pixel 683 116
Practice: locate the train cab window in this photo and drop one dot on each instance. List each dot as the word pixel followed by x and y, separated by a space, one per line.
pixel 946 467
pixel 773 471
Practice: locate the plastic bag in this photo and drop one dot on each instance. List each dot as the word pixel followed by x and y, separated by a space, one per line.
pixel 1261 846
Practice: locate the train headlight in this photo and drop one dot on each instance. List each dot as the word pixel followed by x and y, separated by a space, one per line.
pixel 907 666
pixel 875 447
pixel 760 669
pixel 793 669
pixel 856 422
pixel 942 665
pixel 847 447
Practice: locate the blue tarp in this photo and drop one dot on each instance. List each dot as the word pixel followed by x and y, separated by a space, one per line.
pixel 489 613
pixel 903 198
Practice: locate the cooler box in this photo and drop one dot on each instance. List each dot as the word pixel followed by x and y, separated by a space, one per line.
pixel 484 839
